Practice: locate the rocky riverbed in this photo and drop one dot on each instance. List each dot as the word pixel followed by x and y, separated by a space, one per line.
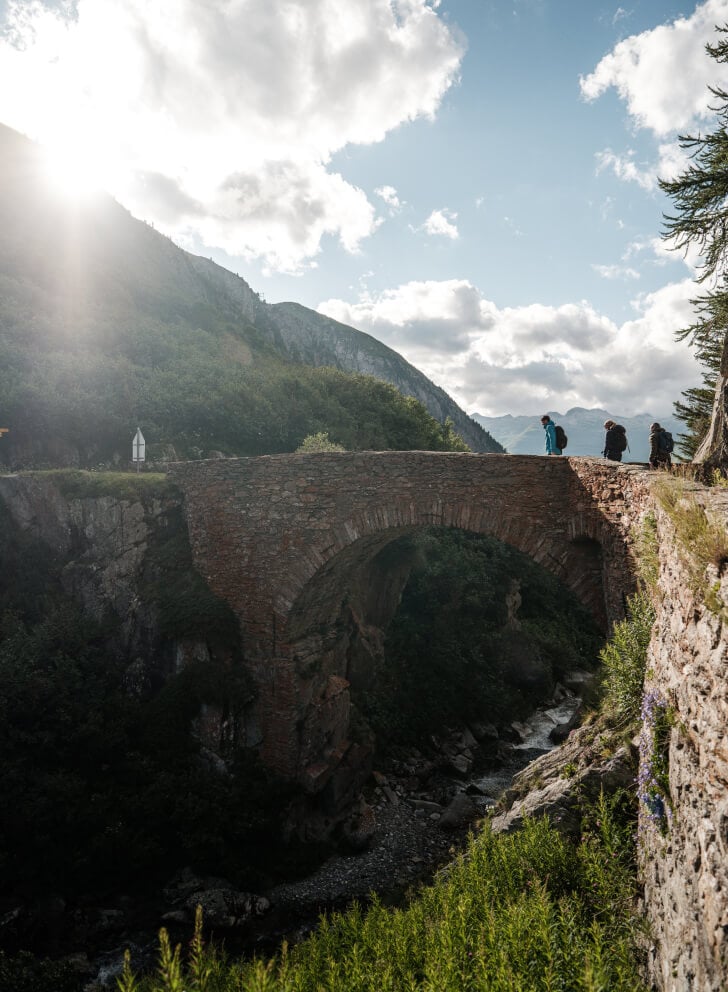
pixel 422 811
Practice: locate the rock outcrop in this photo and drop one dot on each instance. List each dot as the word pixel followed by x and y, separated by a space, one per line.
pixel 106 549
pixel 558 784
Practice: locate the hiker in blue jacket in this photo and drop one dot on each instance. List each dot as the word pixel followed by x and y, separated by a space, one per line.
pixel 550 428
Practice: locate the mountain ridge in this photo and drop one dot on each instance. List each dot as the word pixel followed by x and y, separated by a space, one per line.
pixel 106 325
pixel 522 434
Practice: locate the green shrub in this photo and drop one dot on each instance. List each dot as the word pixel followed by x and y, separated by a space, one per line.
pixel 625 658
pixel 525 911
pixel 319 442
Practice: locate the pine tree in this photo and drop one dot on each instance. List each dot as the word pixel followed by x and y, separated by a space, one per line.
pixel 700 195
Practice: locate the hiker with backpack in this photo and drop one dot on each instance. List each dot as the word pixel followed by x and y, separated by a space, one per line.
pixel 615 441
pixel 661 445
pixel 555 436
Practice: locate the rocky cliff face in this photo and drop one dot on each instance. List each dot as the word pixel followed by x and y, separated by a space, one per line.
pixel 684 849
pixel 108 549
pixel 311 338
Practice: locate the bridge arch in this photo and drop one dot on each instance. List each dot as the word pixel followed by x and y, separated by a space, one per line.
pixel 283 539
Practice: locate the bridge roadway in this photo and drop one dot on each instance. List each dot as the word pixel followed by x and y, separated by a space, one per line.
pixel 296 545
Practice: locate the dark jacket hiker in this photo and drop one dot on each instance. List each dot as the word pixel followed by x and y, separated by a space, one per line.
pixel 661 445
pixel 615 441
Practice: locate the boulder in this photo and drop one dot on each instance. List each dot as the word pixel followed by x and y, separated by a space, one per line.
pixel 461 811
pixel 560 797
pixel 461 764
pixel 226 908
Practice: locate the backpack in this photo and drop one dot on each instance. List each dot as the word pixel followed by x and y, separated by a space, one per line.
pixel 561 438
pixel 620 439
pixel 665 441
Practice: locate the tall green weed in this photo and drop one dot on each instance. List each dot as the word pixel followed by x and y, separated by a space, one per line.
pixel 624 658
pixel 529 911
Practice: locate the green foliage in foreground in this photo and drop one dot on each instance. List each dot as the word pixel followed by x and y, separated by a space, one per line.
pixel 625 659
pixel 529 911
pixel 451 655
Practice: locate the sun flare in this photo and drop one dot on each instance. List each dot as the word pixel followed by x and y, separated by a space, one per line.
pixel 73 170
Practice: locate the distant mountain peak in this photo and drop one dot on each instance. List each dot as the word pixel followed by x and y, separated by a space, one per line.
pixel 521 434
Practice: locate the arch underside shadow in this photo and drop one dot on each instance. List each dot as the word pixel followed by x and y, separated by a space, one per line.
pixel 334 632
pixel 577 562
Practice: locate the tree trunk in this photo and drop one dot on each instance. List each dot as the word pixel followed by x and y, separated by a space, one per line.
pixel 713 450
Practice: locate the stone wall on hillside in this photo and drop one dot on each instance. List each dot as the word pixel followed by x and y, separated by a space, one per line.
pixel 685 869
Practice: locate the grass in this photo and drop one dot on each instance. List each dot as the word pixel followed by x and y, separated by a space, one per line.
pixel 647 546
pixel 78 484
pixel 702 541
pixel 529 911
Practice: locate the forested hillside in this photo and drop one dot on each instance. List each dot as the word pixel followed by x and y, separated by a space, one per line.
pixel 105 325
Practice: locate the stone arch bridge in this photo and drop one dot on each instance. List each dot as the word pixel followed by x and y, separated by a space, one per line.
pixel 296 544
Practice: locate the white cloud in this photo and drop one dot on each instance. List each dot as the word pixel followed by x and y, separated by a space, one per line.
pixel 525 359
pixel 390 197
pixel 616 271
pixel 624 167
pixel 671 161
pixel 440 222
pixel 661 74
pixel 222 117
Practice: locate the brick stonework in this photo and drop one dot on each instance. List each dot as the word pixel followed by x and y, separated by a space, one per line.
pixel 281 538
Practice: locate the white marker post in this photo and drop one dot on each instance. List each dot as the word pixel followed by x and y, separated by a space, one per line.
pixel 138 446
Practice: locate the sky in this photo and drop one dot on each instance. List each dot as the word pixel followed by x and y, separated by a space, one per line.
pixel 473 182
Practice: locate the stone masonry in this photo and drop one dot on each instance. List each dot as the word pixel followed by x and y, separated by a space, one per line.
pixel 284 538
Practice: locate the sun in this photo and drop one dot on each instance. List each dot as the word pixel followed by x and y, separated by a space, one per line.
pixel 74 169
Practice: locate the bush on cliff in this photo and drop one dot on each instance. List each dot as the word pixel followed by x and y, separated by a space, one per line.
pixel 624 658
